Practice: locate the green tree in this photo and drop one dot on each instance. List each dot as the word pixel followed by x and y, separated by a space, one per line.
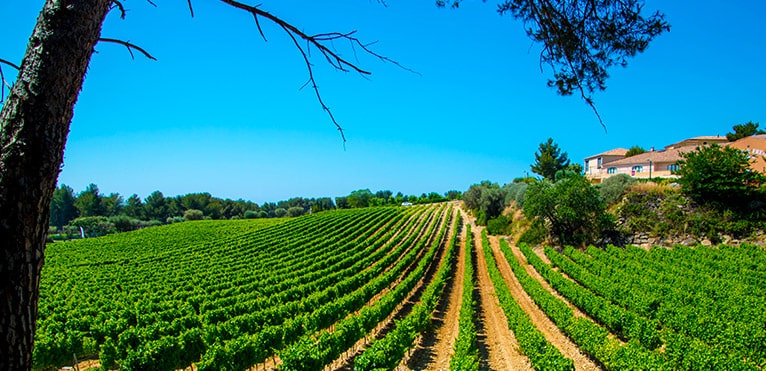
pixel 486 200
pixel 515 192
pixel 341 202
pixel 572 209
pixel 453 195
pixel 295 211
pixel 744 130
pixel 280 212
pixel 384 195
pixel 720 176
pixel 322 204
pixel 215 209
pixel 63 209
pixel 155 206
pixel 112 205
pixel 88 202
pixel 635 150
pixel 580 43
pixel 193 214
pixel 359 198
pixel 134 207
pixel 549 160
pixel 569 170
pixel 198 201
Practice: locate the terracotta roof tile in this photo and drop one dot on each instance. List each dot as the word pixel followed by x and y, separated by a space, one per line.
pixel 670 155
pixel 612 152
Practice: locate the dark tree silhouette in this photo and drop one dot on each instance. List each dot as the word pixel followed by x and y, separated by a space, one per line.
pixel 581 39
pixel 744 130
pixel 549 160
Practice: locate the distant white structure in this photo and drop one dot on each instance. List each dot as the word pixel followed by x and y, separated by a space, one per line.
pixel 406 203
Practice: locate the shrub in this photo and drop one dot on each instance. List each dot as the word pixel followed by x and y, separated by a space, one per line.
pixel 123 223
pixel 535 234
pixel 280 212
pixel 149 223
pixel 94 225
pixel 252 214
pixel 515 192
pixel 193 214
pixel 612 188
pixel 720 176
pixel 174 219
pixel 499 226
pixel 295 211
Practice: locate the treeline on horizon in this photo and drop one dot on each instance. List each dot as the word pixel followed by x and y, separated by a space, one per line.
pixel 99 214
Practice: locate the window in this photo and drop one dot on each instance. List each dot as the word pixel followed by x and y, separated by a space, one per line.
pixel 599 163
pixel 611 170
pixel 586 166
pixel 637 168
pixel 673 168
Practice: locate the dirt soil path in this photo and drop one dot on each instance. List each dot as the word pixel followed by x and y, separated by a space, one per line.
pixel 434 349
pixel 549 329
pixel 346 361
pixel 498 347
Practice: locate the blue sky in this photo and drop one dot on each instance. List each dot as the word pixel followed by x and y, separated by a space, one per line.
pixel 221 111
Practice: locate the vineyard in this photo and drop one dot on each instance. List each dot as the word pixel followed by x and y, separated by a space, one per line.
pixel 393 288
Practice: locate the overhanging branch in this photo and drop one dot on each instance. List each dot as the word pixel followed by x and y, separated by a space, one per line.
pixel 582 39
pixel 10 64
pixel 129 46
pixel 322 42
pixel 118 5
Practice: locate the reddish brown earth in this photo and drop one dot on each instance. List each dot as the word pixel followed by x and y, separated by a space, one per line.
pixel 497 343
pixel 434 348
pixel 549 329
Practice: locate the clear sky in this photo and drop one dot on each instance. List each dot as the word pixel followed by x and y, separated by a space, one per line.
pixel 221 111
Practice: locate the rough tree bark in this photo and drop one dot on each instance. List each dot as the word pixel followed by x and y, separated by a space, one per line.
pixel 35 122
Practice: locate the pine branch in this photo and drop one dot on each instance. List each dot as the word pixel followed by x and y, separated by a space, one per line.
pixel 129 46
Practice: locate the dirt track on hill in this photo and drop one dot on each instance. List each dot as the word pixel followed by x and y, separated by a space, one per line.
pixel 546 326
pixel 498 347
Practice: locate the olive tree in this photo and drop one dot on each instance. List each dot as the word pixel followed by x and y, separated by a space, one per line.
pixel 572 209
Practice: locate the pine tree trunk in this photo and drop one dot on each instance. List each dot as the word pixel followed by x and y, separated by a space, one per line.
pixel 34 125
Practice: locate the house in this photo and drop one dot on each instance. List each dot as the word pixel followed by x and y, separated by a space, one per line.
pixel 664 163
pixel 756 146
pixel 595 165
pixel 651 164
pixel 699 141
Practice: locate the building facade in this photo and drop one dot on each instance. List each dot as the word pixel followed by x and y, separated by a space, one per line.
pixel 664 163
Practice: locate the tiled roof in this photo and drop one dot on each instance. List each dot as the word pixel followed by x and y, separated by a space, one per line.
pixel 670 155
pixel 693 142
pixel 708 137
pixel 612 152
